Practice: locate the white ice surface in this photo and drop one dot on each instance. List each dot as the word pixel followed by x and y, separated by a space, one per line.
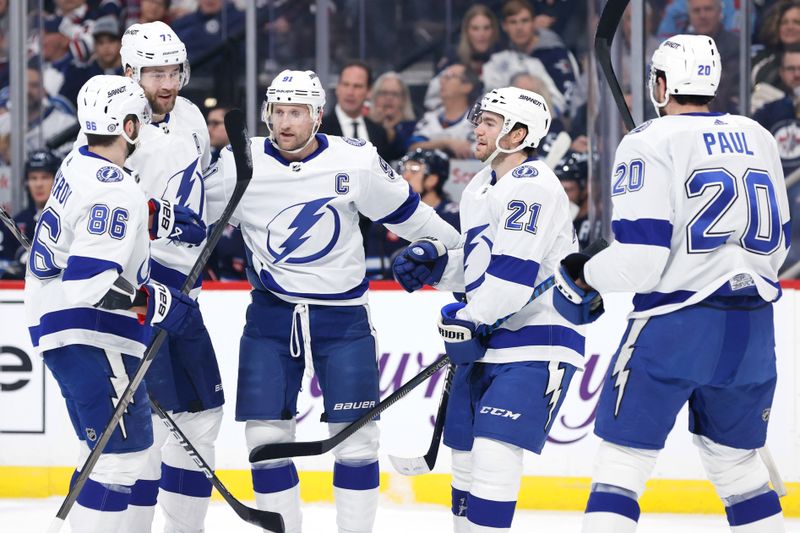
pixel 33 516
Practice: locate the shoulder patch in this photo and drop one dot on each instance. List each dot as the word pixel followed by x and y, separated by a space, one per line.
pixel 109 174
pixel 354 142
pixel 525 171
pixel 391 175
pixel 641 127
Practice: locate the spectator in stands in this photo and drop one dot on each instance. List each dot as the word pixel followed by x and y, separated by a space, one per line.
pixel 573 173
pixel 426 172
pixel 347 118
pixel 677 18
pixel 215 120
pixel 48 116
pixel 56 55
pixel 106 59
pixel 705 18
pixel 479 38
pixel 154 10
pixel 206 31
pixel 537 51
pixel 391 108
pixel 781 28
pixel 448 129
pixel 782 115
pixel 40 171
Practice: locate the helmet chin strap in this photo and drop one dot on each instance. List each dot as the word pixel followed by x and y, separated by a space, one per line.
pixel 657 106
pixel 498 149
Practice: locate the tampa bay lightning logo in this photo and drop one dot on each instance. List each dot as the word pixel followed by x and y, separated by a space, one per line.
pixel 143 274
pixel 186 188
pixel 109 174
pixel 303 232
pixel 354 142
pixel 525 171
pixel 641 127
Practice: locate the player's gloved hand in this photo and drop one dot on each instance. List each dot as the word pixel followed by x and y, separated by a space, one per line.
pixel 421 263
pixel 462 341
pixel 175 222
pixel 573 299
pixel 170 309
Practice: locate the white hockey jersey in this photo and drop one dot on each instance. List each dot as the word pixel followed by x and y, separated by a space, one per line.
pixel 515 230
pixel 431 128
pixel 170 161
pixel 299 220
pixel 700 207
pixel 92 229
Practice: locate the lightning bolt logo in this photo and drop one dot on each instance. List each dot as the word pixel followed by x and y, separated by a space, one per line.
pixel 621 372
pixel 302 224
pixel 189 179
pixel 119 380
pixel 555 378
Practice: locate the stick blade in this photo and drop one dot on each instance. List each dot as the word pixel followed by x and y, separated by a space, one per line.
pixel 282 450
pixel 410 466
pixel 264 519
pixel 236 128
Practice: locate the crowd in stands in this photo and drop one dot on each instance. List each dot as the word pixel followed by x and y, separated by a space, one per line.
pixel 541 45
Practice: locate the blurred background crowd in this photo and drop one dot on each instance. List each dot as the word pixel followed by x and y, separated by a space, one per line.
pixel 401 74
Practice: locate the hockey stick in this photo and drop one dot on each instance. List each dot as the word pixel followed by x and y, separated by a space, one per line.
pixel 281 450
pixel 240 144
pixel 12 227
pixel 606 28
pixel 414 466
pixel 560 146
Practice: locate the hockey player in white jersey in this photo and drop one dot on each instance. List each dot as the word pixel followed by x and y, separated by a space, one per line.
pixel 299 221
pixel 173 154
pixel 509 385
pixel 89 254
pixel 701 221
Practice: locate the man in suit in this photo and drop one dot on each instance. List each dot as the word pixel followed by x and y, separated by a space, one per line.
pixel 347 118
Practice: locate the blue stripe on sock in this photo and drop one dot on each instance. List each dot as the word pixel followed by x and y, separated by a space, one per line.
pixel 754 509
pixel 490 513
pixel 459 504
pixel 356 477
pixel 97 496
pixel 186 482
pixel 144 493
pixel 606 502
pixel 269 480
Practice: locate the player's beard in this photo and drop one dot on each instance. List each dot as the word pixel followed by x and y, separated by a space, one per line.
pixel 159 108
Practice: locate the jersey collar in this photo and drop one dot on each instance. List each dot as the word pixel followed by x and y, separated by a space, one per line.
pixel 273 152
pixel 165 121
pixel 702 114
pixel 84 150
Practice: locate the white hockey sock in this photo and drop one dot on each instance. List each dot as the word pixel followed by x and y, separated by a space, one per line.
pixel 459 508
pixel 142 507
pixel 760 514
pixel 355 489
pixel 277 489
pixel 496 476
pixel 184 499
pixel 100 508
pixel 610 512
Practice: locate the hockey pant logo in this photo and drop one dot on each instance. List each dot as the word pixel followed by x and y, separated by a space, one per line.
pixel 502 413
pixel 346 406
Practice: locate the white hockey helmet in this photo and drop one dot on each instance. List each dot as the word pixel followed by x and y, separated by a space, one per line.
pixel 515 106
pixel 153 44
pixel 691 64
pixel 104 102
pixel 295 87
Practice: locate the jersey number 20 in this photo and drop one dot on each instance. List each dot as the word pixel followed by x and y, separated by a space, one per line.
pixel 763 233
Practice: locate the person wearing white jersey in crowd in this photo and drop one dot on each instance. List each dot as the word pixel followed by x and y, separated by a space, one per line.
pixel 173 152
pixel 509 384
pixel 90 253
pixel 701 220
pixel 299 220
